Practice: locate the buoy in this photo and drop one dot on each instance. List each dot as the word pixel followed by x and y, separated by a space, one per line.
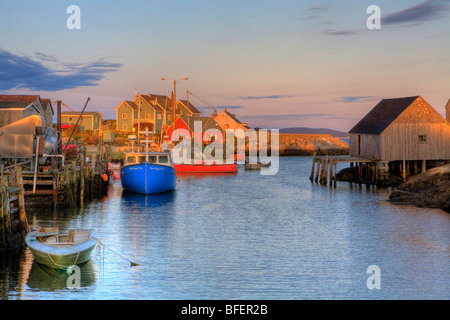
pixel 116 176
pixel 105 177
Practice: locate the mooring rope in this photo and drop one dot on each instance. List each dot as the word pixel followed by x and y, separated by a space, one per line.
pixel 132 264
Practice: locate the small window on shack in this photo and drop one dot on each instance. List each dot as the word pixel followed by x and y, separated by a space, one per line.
pixel 131 159
pixel 142 159
pixel 152 159
pixel 422 138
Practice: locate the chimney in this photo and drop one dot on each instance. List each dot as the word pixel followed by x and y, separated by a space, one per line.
pixel 447 111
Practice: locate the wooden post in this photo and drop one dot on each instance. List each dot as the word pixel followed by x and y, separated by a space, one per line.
pixel 311 177
pixel 20 197
pixel 331 171
pixel 404 170
pixel 335 174
pixel 4 212
pixel 360 171
pixel 317 172
pixel 68 187
pixel 322 172
pixel 424 165
pixel 374 170
pixel 55 182
pixel 58 128
pixel 82 174
pixel 91 183
pixel 74 178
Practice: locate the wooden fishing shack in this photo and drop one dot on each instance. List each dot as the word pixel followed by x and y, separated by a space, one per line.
pixel 399 137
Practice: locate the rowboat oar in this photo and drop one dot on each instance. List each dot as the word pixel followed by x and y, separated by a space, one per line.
pixel 132 264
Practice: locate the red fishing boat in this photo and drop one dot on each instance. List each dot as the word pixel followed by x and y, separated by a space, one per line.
pixel 205 168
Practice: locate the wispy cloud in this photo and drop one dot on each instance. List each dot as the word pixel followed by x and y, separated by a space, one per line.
pixel 426 11
pixel 294 117
pixel 228 107
pixel 333 32
pixel 317 8
pixel 275 96
pixel 46 73
pixel 315 12
pixel 356 99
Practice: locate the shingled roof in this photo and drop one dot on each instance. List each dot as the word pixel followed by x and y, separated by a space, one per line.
pixel 163 101
pixel 190 106
pixel 16 101
pixel 382 115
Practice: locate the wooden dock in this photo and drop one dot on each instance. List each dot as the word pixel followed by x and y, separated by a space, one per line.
pixel 68 186
pixel 367 171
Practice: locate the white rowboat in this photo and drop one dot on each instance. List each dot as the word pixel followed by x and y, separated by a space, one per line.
pixel 60 251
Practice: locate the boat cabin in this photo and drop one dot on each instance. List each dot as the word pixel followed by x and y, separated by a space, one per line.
pixel 163 159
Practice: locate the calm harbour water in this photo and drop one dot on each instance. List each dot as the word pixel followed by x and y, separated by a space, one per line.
pixel 245 236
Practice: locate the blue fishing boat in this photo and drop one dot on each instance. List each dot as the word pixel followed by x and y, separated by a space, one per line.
pixel 148 172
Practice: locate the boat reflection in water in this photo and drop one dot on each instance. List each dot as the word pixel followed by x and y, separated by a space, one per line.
pixel 45 278
pixel 132 199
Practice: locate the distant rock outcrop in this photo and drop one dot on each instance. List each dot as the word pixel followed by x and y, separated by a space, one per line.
pixel 303 130
pixel 307 144
pixel 430 189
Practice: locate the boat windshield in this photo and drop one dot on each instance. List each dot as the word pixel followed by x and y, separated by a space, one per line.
pixel 163 159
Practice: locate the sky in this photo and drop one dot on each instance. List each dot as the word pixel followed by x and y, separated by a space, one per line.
pixel 275 64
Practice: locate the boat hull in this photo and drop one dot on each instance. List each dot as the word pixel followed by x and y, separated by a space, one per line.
pixel 148 178
pixel 203 168
pixel 255 166
pixel 60 257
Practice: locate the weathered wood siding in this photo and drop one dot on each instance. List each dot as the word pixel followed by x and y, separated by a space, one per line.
pixel 10 116
pixel 370 146
pixel 400 140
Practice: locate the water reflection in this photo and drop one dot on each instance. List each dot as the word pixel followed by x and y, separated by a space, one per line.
pixel 204 175
pixel 45 278
pixel 14 269
pixel 147 201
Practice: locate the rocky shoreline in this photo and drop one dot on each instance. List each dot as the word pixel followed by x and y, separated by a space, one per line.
pixel 430 189
pixel 308 144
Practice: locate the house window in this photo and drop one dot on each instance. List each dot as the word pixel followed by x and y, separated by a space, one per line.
pixel 370 140
pixel 124 115
pixel 159 116
pixel 422 139
pixel 147 117
pixel 70 119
